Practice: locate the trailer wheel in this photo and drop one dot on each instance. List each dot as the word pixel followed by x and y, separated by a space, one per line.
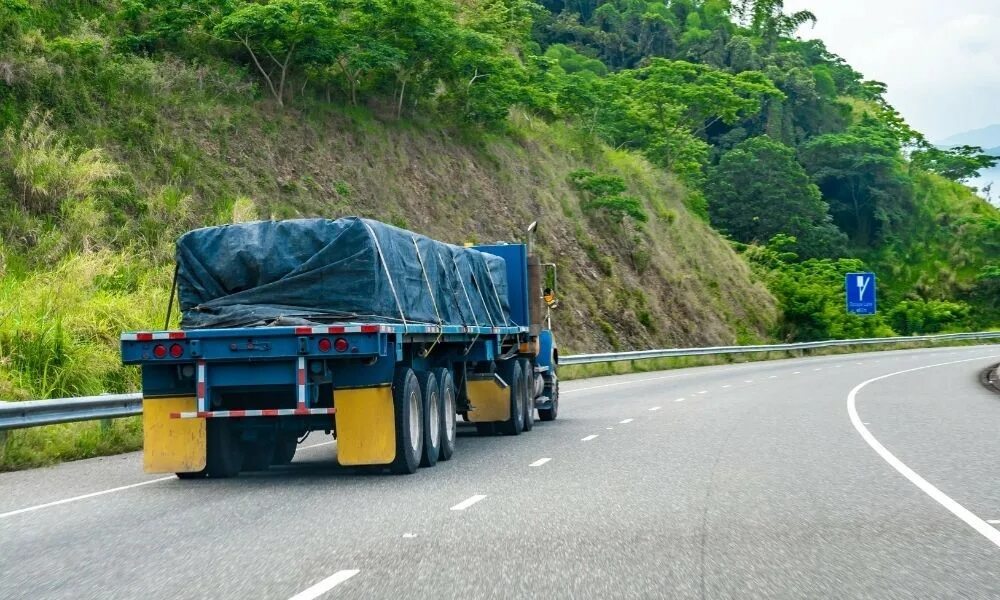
pixel 446 385
pixel 528 375
pixel 431 418
pixel 284 450
pixel 407 405
pixel 515 424
pixel 225 453
pixel 257 455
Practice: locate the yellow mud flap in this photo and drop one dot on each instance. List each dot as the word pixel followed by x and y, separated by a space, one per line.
pixel 490 400
pixel 172 445
pixel 366 426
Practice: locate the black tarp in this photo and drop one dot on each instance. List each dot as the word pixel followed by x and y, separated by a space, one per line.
pixel 305 271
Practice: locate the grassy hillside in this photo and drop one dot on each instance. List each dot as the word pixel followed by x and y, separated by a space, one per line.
pixel 98 180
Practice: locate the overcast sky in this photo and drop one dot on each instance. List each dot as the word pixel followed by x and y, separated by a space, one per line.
pixel 940 59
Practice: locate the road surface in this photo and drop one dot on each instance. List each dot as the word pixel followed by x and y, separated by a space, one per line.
pixel 856 476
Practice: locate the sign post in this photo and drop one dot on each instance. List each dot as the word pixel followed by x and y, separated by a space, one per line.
pixel 861 296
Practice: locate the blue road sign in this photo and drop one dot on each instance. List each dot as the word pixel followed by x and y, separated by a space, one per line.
pixel 860 293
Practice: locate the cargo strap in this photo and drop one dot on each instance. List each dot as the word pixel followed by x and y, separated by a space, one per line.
pixel 430 290
pixel 388 275
pixel 472 311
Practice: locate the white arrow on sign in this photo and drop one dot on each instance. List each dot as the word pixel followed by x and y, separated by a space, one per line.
pixel 862 285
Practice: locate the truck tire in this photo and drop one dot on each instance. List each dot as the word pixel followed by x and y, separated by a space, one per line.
pixel 431 416
pixel 550 414
pixel 528 376
pixel 257 455
pixel 515 424
pixel 225 453
pixel 193 474
pixel 449 426
pixel 284 450
pixel 486 429
pixel 407 406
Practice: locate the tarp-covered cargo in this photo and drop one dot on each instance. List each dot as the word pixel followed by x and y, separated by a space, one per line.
pixel 321 271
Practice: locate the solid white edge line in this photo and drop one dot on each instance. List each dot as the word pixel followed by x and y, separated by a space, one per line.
pixel 83 497
pixel 986 530
pixel 326 585
pixel 539 462
pixel 588 438
pixel 318 445
pixel 596 387
pixel 464 504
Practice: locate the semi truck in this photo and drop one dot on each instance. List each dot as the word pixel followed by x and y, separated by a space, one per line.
pixel 377 335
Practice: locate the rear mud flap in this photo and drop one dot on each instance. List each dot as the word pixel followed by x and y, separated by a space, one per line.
pixel 489 399
pixel 366 427
pixel 172 445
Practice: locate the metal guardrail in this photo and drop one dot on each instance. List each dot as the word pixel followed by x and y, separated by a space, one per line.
pixel 582 359
pixel 32 413
pixel 15 415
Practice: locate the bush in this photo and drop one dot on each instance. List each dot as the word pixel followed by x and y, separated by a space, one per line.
pixel 918 317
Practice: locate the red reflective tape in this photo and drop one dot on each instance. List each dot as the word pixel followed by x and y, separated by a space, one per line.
pixel 303 330
pixel 302 376
pixel 201 390
pixel 144 337
pixel 369 329
pixel 301 410
pixel 237 413
pixel 176 335
pixel 337 329
pixel 175 415
pixel 269 412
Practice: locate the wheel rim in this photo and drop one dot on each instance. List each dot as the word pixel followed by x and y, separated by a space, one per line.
pixel 414 421
pixel 449 422
pixel 519 406
pixel 434 418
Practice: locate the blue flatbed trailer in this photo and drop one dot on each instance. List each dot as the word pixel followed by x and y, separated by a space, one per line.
pixel 223 400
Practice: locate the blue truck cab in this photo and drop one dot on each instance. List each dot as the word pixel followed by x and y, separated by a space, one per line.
pixel 221 400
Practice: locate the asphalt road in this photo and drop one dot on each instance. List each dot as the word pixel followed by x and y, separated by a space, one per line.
pixel 786 479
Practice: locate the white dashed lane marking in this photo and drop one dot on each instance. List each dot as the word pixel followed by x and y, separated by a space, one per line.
pixel 464 504
pixel 588 438
pixel 539 462
pixel 656 408
pixel 326 585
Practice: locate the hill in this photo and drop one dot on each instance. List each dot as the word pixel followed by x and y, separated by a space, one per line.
pixel 102 178
pixel 985 137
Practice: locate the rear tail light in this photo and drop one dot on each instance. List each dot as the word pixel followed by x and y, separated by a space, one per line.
pixel 176 350
pixel 324 345
pixel 341 345
pixel 160 351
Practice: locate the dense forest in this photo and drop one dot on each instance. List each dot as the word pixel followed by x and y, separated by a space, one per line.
pixel 773 140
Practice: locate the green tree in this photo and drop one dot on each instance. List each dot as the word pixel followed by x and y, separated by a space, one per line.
pixel 860 173
pixel 278 35
pixel 759 190
pixel 960 163
pixel 669 105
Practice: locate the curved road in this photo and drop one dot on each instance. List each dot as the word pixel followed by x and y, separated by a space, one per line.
pixel 865 475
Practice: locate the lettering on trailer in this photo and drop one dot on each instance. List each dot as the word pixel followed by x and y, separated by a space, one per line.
pixel 861 295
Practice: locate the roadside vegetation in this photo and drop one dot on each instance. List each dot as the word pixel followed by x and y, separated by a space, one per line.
pixel 702 176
